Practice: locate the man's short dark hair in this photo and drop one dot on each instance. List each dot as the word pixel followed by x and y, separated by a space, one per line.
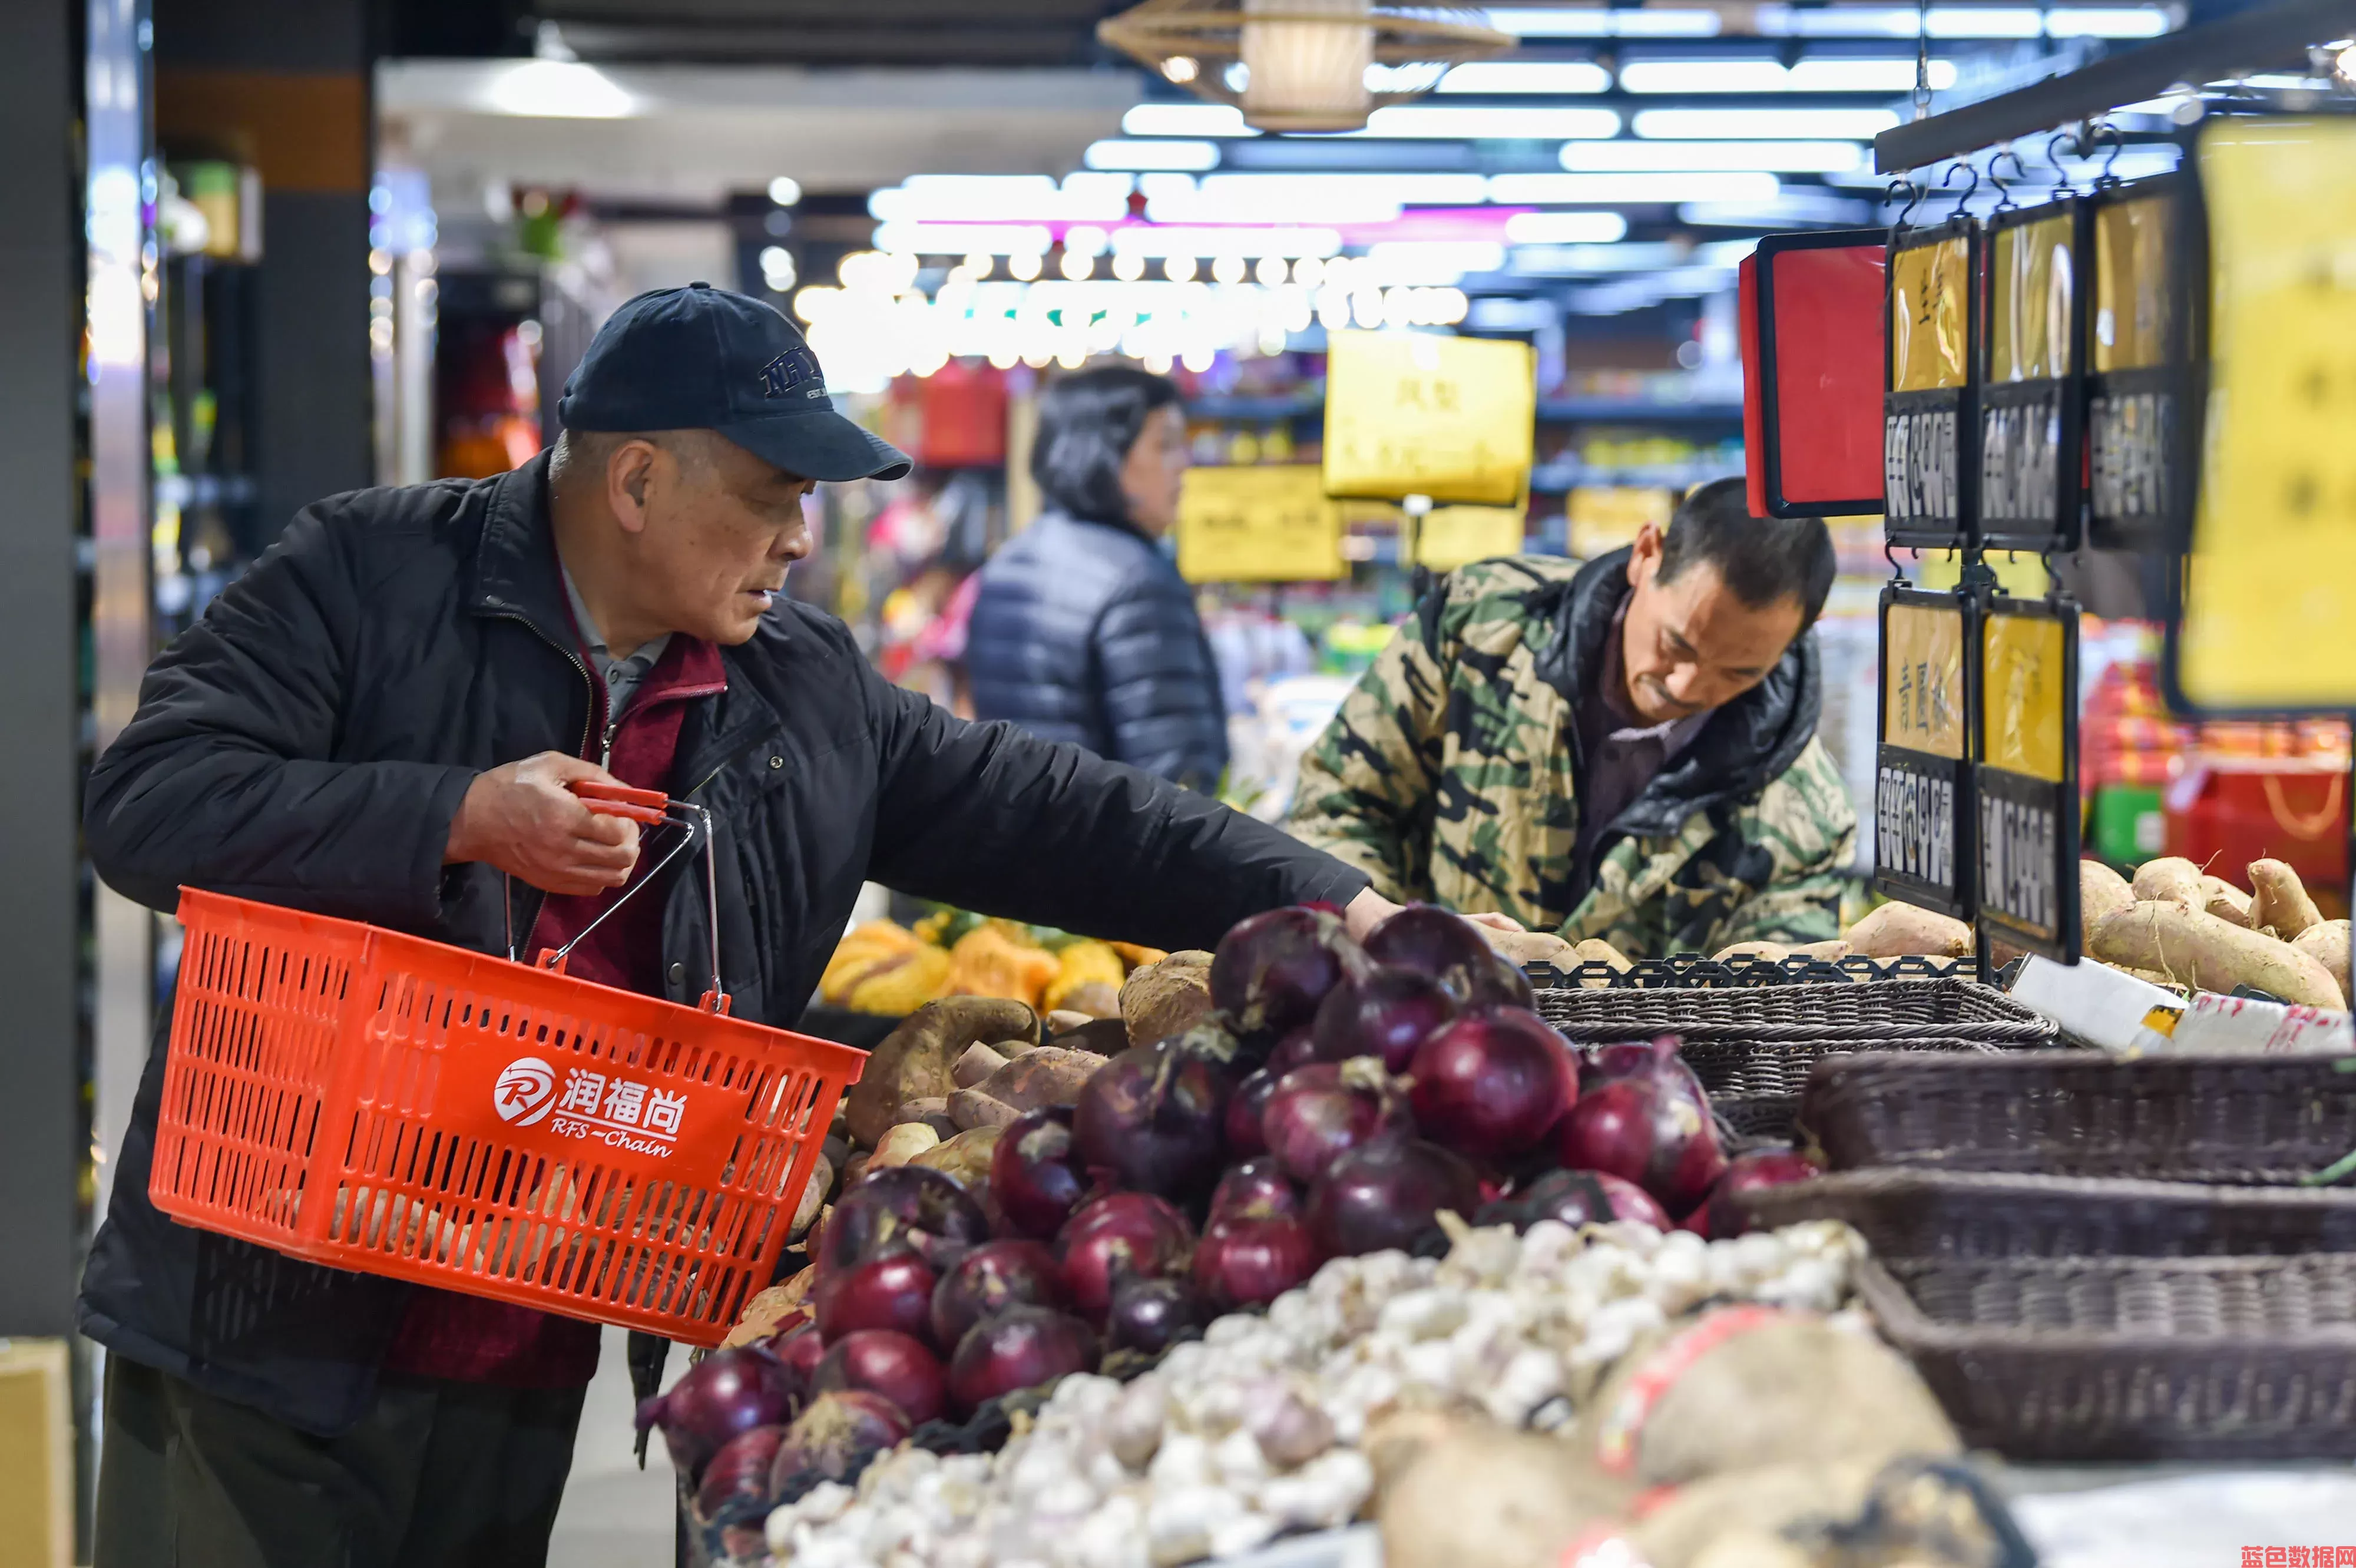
pixel 1087 423
pixel 1763 560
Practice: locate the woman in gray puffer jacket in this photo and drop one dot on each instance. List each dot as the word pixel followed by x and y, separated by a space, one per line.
pixel 1083 630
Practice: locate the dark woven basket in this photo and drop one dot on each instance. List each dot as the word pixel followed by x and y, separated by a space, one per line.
pixel 2229 1119
pixel 2150 1363
pixel 1910 1216
pixel 1691 972
pixel 1893 1011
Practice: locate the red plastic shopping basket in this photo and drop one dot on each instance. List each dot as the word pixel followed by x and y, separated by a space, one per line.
pixel 378 1102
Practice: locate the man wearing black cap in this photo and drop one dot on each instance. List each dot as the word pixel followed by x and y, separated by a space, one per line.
pixel 380 721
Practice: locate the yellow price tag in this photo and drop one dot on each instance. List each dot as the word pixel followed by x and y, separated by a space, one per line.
pixel 2270 593
pixel 1418 414
pixel 1454 536
pixel 1930 286
pixel 1265 524
pixel 2031 274
pixel 2134 264
pixel 1922 679
pixel 2025 698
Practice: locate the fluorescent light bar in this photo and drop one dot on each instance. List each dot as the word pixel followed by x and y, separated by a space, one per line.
pixel 1986 22
pixel 2082 23
pixel 1500 123
pixel 1834 74
pixel 1397 188
pixel 558 90
pixel 1441 263
pixel 1739 125
pixel 1186 120
pixel 1791 207
pixel 964 239
pixel 1340 205
pixel 1620 189
pixel 1251 244
pixel 1703 76
pixel 1562 76
pixel 1013 198
pixel 1565 228
pixel 1179 154
pixel 1595 261
pixel 1775 157
pixel 1596 22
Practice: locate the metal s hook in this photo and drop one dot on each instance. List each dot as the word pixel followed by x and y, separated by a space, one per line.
pixel 2095 135
pixel 2062 175
pixel 2004 202
pixel 1903 184
pixel 1890 554
pixel 1963 201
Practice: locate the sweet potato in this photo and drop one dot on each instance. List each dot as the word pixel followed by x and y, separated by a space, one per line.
pixel 971 1108
pixel 2170 879
pixel 1831 952
pixel 978 1063
pixel 1595 949
pixel 965 1158
pixel 1163 999
pixel 2225 901
pixel 916 1060
pixel 1896 930
pixel 1773 953
pixel 903 1143
pixel 2279 899
pixel 932 1110
pixel 1483 1494
pixel 2196 948
pixel 2327 943
pixel 2101 891
pixel 1099 1037
pixel 1522 949
pixel 813 1198
pixel 1048 1075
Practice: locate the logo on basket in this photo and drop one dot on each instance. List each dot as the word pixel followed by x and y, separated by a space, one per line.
pixel 524 1091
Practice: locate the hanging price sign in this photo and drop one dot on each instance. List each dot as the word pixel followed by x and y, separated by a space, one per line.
pixel 2138 437
pixel 2025 785
pixel 1448 537
pixel 2265 618
pixel 1812 364
pixel 1272 524
pixel 2032 373
pixel 1921 827
pixel 1412 414
pixel 1930 439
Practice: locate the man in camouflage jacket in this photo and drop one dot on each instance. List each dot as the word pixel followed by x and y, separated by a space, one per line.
pixel 1453 774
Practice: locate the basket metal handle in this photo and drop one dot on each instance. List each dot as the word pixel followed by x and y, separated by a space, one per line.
pixel 651 807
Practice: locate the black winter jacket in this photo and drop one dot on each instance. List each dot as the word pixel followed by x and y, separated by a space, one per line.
pixel 308 741
pixel 1084 632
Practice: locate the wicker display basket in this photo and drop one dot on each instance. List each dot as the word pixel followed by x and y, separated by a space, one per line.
pixel 1692 971
pixel 2229 1119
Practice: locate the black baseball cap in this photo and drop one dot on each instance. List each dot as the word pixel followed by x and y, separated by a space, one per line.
pixel 702 358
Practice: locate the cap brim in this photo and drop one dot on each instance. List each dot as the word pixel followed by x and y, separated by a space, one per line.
pixel 820 445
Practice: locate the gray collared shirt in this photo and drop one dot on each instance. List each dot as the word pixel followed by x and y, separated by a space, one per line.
pixel 621 676
pixel 1623 753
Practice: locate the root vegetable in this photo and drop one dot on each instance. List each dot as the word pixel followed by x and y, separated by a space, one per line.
pixel 764 1315
pixel 978 1063
pixel 903 1143
pixel 1703 1523
pixel 1522 949
pixel 964 1159
pixel 1018 1348
pixel 2101 892
pixel 2198 949
pixel 2279 899
pixel 1482 1494
pixel 971 1108
pixel 813 1198
pixel 1829 951
pixel 2225 901
pixel 1898 930
pixel 2327 943
pixel 914 1061
pixel 1773 953
pixel 1160 1000
pixel 1048 1075
pixel 2170 879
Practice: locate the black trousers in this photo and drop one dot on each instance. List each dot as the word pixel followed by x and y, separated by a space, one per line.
pixel 437 1475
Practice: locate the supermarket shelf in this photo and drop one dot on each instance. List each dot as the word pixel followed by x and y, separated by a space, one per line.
pixel 1262 409
pixel 188 490
pixel 1635 410
pixel 1554 478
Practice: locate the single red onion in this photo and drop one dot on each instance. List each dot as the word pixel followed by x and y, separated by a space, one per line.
pixel 1297 1049
pixel 727 1393
pixel 1270 971
pixel 1153 1117
pixel 902 1369
pixel 1018 1349
pixel 1386 1013
pixel 991 1278
pixel 1326 1108
pixel 1646 1131
pixel 1655 1058
pixel 1257 1188
pixel 1150 1315
pixel 740 1471
pixel 894 1291
pixel 1721 1215
pixel 1123 1235
pixel 1244 1108
pixel 799 1350
pixel 1450 949
pixel 1249 1262
pixel 1576 1199
pixel 1035 1173
pixel 830 1436
pixel 901 1208
pixel 1388 1193
pixel 1490 1083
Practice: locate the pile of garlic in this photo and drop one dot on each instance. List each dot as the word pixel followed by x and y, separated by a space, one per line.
pixel 1252 1430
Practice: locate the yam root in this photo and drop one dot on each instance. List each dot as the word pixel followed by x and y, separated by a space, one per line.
pixel 1095 999
pixel 1522 949
pixel 2225 901
pixel 2327 943
pixel 1595 949
pixel 1168 998
pixel 2197 949
pixel 1483 1494
pixel 964 1159
pixel 903 1143
pixel 2101 891
pixel 978 1063
pixel 1827 953
pixel 2170 879
pixel 2279 899
pixel 1048 1075
pixel 916 1060
pixel 1897 931
pixel 1773 953
pixel 971 1108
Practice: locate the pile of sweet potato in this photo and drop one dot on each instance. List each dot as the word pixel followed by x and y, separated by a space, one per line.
pixel 2178 925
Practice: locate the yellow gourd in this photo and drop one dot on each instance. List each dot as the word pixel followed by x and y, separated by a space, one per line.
pixel 902 988
pixel 1082 963
pixel 987 962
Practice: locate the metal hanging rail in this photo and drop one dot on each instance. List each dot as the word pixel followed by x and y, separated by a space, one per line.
pixel 2262 36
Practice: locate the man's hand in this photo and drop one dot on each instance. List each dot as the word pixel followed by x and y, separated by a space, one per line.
pixel 1370 909
pixel 524 820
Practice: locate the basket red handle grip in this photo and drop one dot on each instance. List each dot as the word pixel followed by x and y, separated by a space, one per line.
pixel 620 800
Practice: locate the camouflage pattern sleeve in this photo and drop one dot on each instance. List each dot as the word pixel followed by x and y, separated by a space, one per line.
pixel 1365 794
pixel 1806 823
